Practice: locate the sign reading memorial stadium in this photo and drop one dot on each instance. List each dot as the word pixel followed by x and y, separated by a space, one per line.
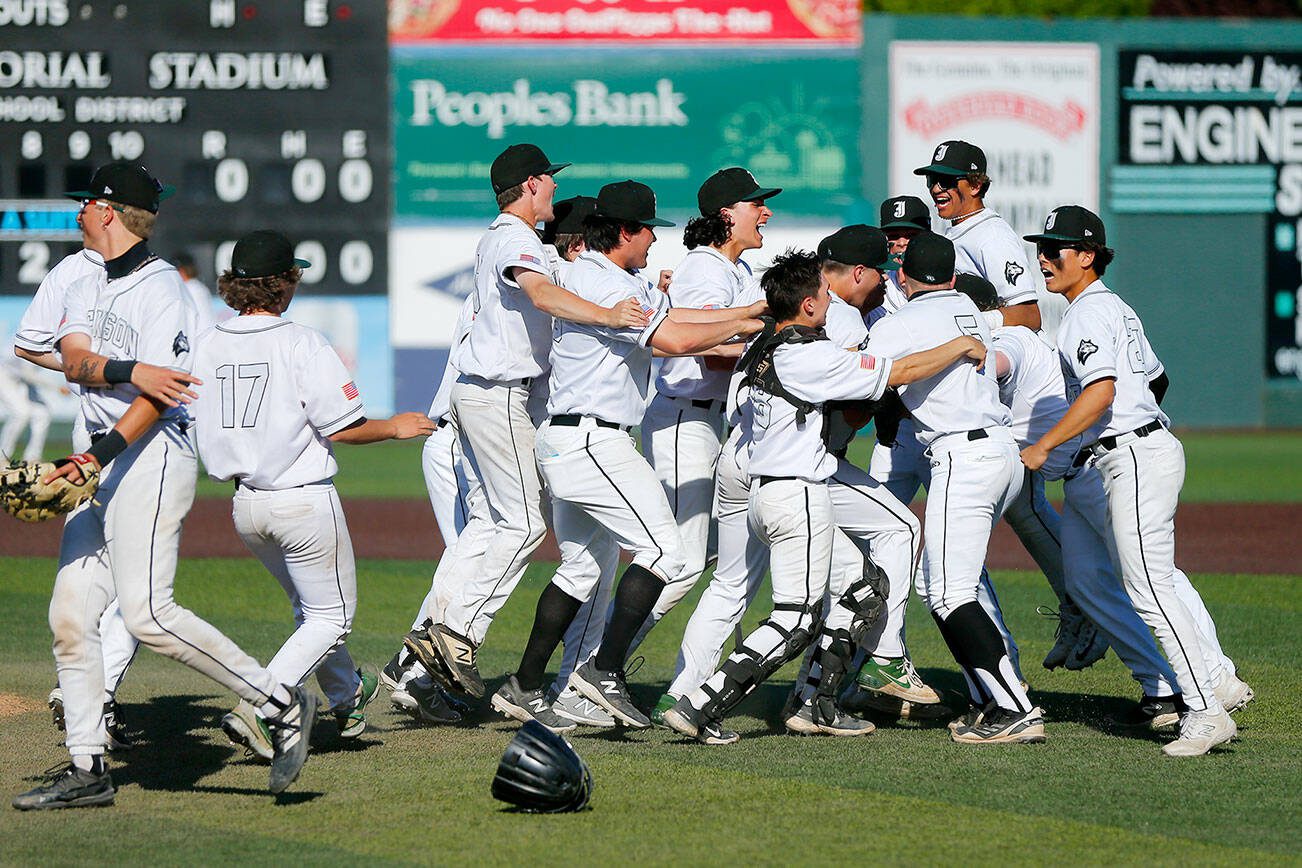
pixel 1221 132
pixel 258 112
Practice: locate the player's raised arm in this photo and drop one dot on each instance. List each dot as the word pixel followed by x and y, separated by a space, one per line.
pixel 403 426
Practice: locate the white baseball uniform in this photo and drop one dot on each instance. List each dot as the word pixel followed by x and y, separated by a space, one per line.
pixel 975 475
pixel 23 400
pixel 202 300
pixel 273 392
pixel 124 542
pixel 985 244
pixel 36 331
pixel 1142 468
pixel 504 351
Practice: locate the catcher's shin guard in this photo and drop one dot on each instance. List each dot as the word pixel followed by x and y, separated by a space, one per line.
pixel 748 667
pixel 863 604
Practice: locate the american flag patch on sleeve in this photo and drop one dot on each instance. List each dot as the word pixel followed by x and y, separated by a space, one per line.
pixel 526 257
pixel 350 391
pixel 867 362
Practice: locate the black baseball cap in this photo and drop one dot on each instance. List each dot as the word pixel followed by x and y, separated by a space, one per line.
pixel 905 212
pixel 568 217
pixel 858 245
pixel 264 253
pixel 727 187
pixel 955 157
pixel 1071 223
pixel 127 184
pixel 981 291
pixel 518 164
pixel 630 202
pixel 929 259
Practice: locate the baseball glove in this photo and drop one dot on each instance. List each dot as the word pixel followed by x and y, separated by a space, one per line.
pixel 24 496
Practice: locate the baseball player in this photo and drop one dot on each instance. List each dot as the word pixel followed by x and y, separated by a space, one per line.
pixel 504 351
pixel 1103 349
pixel 792 372
pixel 23 400
pixel 1031 386
pixel 684 425
pixel 604 492
pixel 743 558
pixel 974 478
pixel 199 294
pixel 124 542
pixel 274 397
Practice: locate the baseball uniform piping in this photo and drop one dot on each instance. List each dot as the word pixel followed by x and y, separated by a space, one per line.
pixel 461 500
pixel 677 425
pixel 334 519
pixel 866 492
pixel 587 442
pixel 1036 513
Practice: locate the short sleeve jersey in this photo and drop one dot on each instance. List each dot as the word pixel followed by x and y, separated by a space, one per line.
pixel 44 315
pixel 273 392
pixel 959 398
pixel 202 300
pixel 705 279
pixel 509 338
pixel 599 371
pixel 985 244
pixel 1101 337
pixel 442 402
pixel 817 372
pixel 146 315
pixel 1034 392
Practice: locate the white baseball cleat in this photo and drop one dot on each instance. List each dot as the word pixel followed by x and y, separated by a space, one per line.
pixel 571 705
pixel 1233 693
pixel 1200 731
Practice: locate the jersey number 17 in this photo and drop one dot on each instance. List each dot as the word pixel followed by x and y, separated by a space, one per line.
pixel 242 386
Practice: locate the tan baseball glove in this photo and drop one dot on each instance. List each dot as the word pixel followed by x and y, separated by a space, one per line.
pixel 24 496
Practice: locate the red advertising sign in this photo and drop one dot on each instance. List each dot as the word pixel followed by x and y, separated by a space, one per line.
pixel 807 22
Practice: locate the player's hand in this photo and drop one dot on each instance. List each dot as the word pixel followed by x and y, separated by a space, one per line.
pixel 666 278
pixel 70 468
pixel 627 314
pixel 750 327
pixel 1034 456
pixel 973 349
pixel 409 425
pixel 164 384
pixel 758 309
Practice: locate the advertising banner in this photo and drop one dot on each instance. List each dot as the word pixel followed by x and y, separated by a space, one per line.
pixel 667 118
pixel 806 22
pixel 1221 132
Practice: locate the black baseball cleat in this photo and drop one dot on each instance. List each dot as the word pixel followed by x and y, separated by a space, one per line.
pixel 608 689
pixel 424 700
pixel 68 787
pixel 391 674
pixel 291 730
pixel 1151 712
pixel 118 740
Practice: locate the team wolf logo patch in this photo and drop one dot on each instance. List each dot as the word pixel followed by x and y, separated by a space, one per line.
pixel 180 344
pixel 1012 271
pixel 1086 349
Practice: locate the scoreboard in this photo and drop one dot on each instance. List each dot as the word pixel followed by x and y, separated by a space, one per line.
pixel 262 114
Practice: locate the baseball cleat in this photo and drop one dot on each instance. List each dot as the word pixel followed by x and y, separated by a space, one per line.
pixel 392 674
pixel 523 705
pixel 1066 634
pixel 857 700
pixel 711 732
pixel 803 723
pixel 572 706
pixel 55 702
pixel 291 730
pixel 608 689
pixel 420 643
pixel 244 728
pixel 68 787
pixel 1233 693
pixel 1089 649
pixel 449 657
pixel 425 700
pixel 1003 726
pixel 351 719
pixel 115 730
pixel 663 704
pixel 683 718
pixel 1151 712
pixel 1201 731
pixel 896 677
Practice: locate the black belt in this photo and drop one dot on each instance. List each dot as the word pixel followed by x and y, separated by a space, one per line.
pixel 977 434
pixel 1110 442
pixel 572 420
pixel 705 403
pixel 765 480
pixel 441 421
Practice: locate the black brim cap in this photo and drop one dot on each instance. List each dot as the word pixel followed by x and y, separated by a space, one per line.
pixel 929 259
pixel 858 244
pixel 905 212
pixel 727 187
pixel 125 183
pixel 1071 223
pixel 630 202
pixel 519 163
pixel 264 253
pixel 568 215
pixel 954 157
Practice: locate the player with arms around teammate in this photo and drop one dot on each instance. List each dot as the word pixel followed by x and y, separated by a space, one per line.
pixel 504 351
pixel 1102 346
pixel 984 243
pixel 792 373
pixel 604 491
pixel 275 396
pixel 124 542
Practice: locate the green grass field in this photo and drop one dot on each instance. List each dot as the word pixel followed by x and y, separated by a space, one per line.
pixel 404 794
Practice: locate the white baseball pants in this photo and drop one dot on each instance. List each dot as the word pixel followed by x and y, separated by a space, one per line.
pixel 124 544
pixel 497 438
pixel 301 537
pixel 24 406
pixel 1143 478
pixel 446 482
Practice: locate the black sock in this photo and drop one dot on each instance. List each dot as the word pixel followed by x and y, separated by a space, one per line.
pixel 958 648
pixel 982 644
pixel 556 609
pixel 634 599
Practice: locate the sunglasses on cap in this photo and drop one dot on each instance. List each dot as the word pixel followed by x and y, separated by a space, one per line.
pixel 118 208
pixel 945 182
pixel 1052 250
